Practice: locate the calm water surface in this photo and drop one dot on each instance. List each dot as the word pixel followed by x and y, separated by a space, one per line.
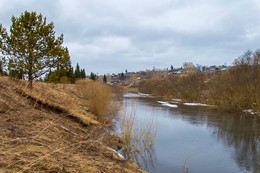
pixel 203 141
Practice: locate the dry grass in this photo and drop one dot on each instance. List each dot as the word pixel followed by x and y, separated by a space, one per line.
pixel 62 97
pixel 188 87
pixel 35 138
pixel 137 138
pixel 99 97
pixel 128 130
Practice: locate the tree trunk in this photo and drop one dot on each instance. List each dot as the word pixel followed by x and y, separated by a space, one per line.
pixel 30 86
pixel 30 74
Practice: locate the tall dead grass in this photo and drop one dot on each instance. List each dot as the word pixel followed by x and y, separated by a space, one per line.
pixel 138 139
pixel 99 98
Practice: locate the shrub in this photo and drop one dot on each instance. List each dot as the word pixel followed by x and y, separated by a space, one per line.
pixel 98 97
pixel 189 87
pixel 238 88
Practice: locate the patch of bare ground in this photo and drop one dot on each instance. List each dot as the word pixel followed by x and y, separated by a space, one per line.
pixel 49 130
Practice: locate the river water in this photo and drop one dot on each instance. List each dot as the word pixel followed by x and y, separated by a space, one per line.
pixel 200 140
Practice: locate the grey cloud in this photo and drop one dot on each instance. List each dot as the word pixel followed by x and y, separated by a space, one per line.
pixel 111 36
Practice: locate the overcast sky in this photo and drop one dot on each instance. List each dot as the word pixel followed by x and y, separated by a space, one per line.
pixel 106 36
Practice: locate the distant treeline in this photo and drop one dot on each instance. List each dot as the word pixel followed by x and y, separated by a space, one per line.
pixel 63 73
pixel 233 90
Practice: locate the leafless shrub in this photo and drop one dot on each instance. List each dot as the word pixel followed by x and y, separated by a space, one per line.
pixel 99 98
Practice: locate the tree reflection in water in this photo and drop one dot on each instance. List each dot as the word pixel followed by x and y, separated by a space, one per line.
pixel 243 133
pixel 146 158
pixel 240 132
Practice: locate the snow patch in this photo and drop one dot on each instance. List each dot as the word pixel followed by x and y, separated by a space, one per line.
pixel 120 155
pixel 176 100
pixel 137 95
pixel 195 104
pixel 250 111
pixel 161 102
pixel 144 95
pixel 168 104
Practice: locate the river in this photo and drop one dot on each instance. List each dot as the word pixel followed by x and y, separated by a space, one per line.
pixel 200 140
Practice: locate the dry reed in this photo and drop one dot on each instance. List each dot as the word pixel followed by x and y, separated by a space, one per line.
pixel 136 138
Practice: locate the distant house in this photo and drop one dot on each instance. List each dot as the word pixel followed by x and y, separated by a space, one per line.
pixel 199 67
pixel 212 68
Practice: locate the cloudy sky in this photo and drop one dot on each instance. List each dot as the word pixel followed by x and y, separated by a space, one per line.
pixel 106 36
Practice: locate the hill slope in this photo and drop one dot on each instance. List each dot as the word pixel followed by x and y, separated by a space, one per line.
pixel 49 130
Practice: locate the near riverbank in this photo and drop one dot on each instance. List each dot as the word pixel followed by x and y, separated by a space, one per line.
pixel 51 129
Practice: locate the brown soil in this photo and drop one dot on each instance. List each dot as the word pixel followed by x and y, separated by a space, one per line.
pixel 48 129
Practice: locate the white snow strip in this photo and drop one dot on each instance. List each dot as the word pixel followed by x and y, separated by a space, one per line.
pixel 144 95
pixel 137 95
pixel 168 104
pixel 131 95
pixel 195 104
pixel 250 111
pixel 161 102
pixel 120 155
pixel 177 100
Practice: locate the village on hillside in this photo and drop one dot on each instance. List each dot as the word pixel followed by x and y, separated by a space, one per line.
pixel 131 78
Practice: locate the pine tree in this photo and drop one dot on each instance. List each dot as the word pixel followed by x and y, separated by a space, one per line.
pixel 62 73
pixel 93 76
pixel 77 71
pixel 31 46
pixel 105 79
pixel 82 74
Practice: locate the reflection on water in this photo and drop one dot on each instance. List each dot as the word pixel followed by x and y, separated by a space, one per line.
pixel 138 138
pixel 146 158
pixel 201 140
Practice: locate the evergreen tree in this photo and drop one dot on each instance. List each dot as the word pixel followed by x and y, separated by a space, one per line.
pixel 171 68
pixel 72 75
pixel 63 73
pixel 82 74
pixel 105 79
pixel 93 76
pixel 31 46
pixel 77 72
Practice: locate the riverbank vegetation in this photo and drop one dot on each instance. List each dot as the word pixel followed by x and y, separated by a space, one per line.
pixel 237 89
pixel 138 139
pixel 99 98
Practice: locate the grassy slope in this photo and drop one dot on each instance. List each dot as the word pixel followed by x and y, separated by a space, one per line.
pixel 54 134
